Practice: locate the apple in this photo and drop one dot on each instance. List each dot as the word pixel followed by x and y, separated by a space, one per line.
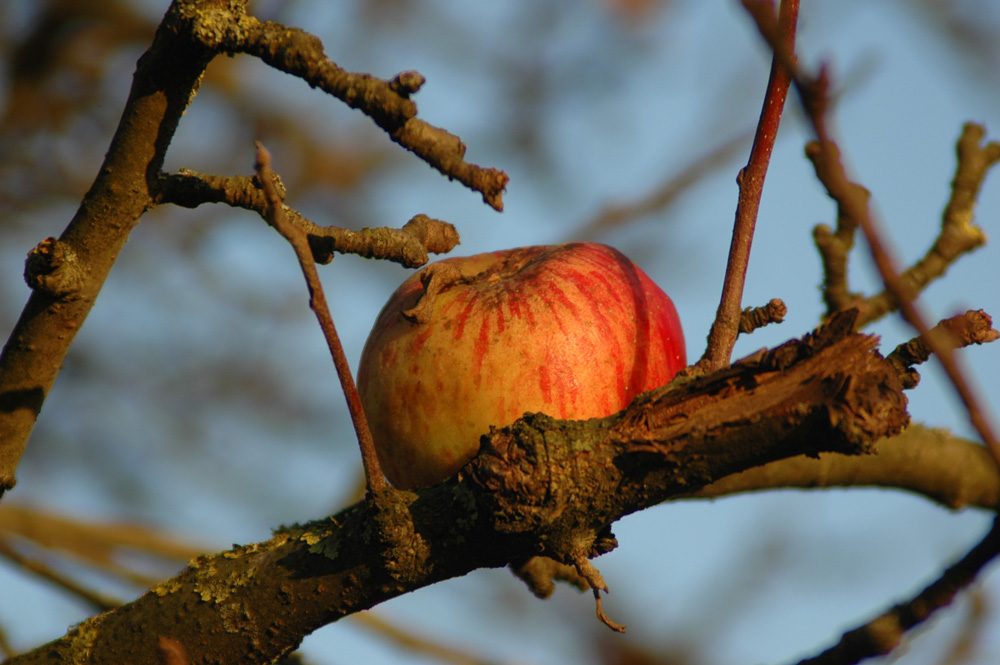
pixel 574 330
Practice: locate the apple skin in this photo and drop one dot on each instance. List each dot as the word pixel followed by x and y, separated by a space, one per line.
pixel 575 331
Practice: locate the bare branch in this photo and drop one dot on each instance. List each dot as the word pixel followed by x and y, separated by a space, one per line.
pixel 958 233
pixel 296 237
pixel 387 103
pixel 541 487
pixel 725 328
pixel 752 318
pixel 884 633
pixel 831 172
pixel 407 246
pixel 973 327
pixel 931 463
pixel 165 80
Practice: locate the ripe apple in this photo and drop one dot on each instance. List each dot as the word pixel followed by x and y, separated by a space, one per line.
pixel 574 331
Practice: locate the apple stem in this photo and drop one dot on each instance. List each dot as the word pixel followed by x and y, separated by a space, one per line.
pixel 297 238
pixel 725 328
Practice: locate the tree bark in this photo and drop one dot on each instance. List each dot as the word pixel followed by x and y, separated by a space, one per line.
pixel 539 487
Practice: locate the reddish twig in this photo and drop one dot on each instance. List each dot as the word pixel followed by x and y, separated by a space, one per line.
pixel 725 328
pixel 854 203
pixel 296 236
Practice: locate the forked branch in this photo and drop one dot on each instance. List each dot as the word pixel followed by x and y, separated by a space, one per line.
pixel 959 234
pixel 387 103
pixel 296 237
pixel 408 246
pixel 541 487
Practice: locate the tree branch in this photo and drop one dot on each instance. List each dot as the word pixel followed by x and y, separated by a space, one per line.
pixel 165 81
pixel 931 463
pixel 539 487
pixel 296 237
pixel 884 633
pixel 408 246
pixel 67 273
pixel 725 327
pixel 387 103
pixel 958 235
pixel 853 201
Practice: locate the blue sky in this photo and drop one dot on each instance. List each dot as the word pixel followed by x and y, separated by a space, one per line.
pixel 759 579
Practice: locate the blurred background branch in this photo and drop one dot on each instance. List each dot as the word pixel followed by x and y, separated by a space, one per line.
pixel 175 410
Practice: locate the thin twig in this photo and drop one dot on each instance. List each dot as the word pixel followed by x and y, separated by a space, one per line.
pixel 299 53
pixel 317 302
pixel 973 327
pixel 725 328
pixel 958 234
pixel 753 318
pixel 836 181
pixel 593 576
pixel 407 246
pixel 832 173
pixel 35 566
pixel 884 633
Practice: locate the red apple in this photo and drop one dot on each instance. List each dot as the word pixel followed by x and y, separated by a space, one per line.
pixel 574 331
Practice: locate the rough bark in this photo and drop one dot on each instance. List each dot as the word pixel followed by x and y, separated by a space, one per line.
pixel 540 487
pixel 67 273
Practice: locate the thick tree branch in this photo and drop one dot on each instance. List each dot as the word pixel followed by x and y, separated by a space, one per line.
pixel 931 463
pixel 540 487
pixel 165 81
